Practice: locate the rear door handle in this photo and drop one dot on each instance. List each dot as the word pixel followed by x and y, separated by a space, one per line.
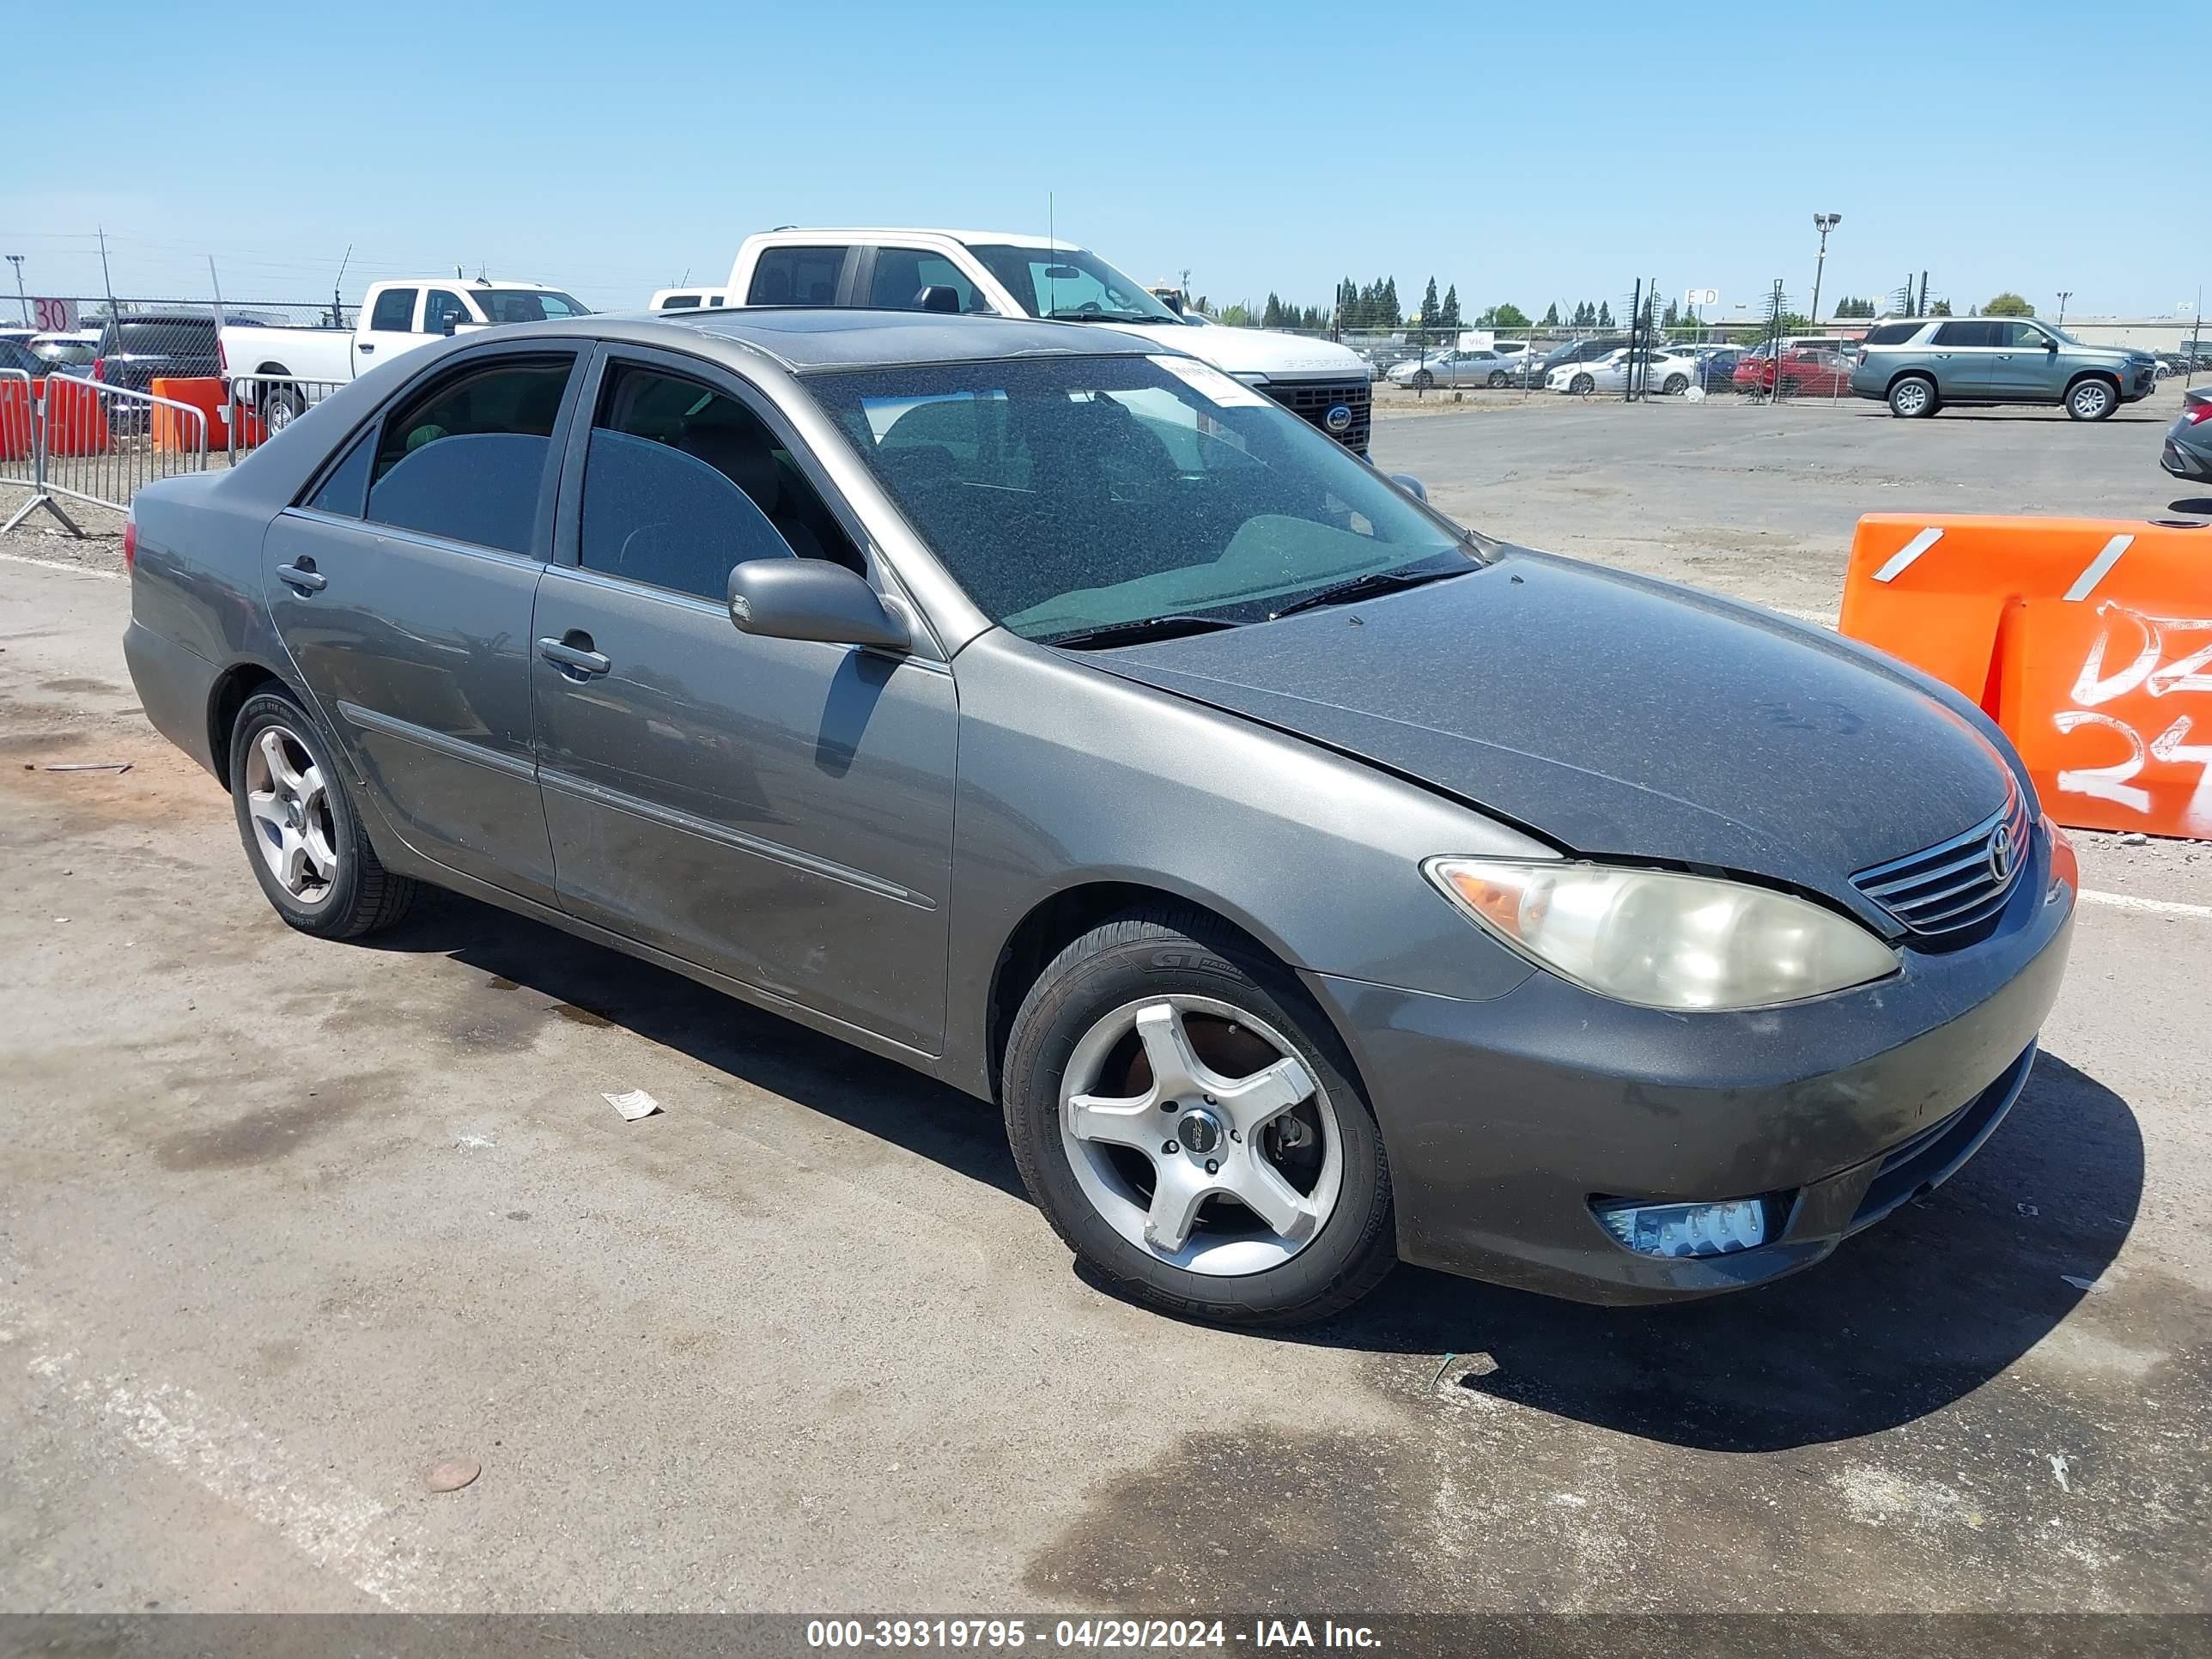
pixel 304 576
pixel 575 659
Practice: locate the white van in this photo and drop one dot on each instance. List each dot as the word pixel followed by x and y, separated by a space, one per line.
pixel 1002 274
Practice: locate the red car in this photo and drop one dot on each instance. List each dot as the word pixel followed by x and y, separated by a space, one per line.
pixel 1805 374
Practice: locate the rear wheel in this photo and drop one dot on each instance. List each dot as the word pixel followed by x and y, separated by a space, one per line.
pixel 302 835
pixel 1189 1125
pixel 1675 384
pixel 1912 397
pixel 2091 400
pixel 279 404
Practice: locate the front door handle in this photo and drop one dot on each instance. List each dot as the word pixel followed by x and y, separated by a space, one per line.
pixel 577 660
pixel 363 346
pixel 304 576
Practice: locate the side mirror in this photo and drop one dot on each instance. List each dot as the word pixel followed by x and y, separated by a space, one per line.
pixel 797 599
pixel 1410 484
pixel 939 297
pixel 452 322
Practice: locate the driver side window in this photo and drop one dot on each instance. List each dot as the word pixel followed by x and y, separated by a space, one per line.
pixel 682 481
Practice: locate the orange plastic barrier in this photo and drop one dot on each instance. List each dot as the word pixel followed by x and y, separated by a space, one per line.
pixel 15 399
pixel 76 422
pixel 2089 640
pixel 176 431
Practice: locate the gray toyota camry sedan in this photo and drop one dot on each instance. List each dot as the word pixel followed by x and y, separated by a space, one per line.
pixel 1313 882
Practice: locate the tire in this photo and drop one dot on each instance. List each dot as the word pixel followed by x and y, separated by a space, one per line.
pixel 1422 379
pixel 1582 386
pixel 1087 1029
pixel 1675 385
pixel 1498 378
pixel 2092 399
pixel 1912 397
pixel 308 826
pixel 280 405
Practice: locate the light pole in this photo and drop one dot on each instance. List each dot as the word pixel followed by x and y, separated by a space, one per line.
pixel 17 260
pixel 1823 222
pixel 2064 294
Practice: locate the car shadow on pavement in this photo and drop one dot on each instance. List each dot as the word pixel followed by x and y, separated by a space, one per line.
pixel 591 985
pixel 1910 1316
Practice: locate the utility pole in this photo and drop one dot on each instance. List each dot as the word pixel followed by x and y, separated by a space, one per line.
pixel 1823 222
pixel 106 282
pixel 2064 294
pixel 1922 311
pixel 1634 324
pixel 17 260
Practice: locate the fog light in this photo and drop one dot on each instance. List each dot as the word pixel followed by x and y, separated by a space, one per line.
pixel 1687 1229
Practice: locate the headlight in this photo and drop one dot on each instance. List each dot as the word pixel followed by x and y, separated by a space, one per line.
pixel 1662 940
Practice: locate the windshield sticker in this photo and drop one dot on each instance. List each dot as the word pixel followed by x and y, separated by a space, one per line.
pixel 1211 383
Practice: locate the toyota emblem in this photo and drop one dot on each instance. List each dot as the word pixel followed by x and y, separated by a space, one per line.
pixel 1339 418
pixel 2001 854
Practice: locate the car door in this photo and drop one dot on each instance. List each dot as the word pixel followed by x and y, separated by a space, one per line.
pixel 779 810
pixel 389 328
pixel 2026 368
pixel 402 586
pixel 1963 354
pixel 896 275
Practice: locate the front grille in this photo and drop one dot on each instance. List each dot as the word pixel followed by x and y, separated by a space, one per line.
pixel 1311 400
pixel 1957 883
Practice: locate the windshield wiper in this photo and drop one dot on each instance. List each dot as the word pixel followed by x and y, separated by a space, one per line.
pixel 1373 582
pixel 1136 633
pixel 1105 317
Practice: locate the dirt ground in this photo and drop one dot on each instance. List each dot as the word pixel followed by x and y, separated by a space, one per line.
pixel 283 1223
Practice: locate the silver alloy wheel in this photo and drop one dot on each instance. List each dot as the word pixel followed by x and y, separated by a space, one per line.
pixel 1202 1134
pixel 1676 385
pixel 1582 384
pixel 2091 399
pixel 1911 398
pixel 290 808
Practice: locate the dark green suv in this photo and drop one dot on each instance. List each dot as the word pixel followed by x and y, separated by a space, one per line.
pixel 1918 366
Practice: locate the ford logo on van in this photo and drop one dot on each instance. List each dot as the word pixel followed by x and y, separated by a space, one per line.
pixel 1339 418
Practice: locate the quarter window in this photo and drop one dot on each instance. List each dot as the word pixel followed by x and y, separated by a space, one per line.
pixel 465 461
pixel 797 276
pixel 395 311
pixel 682 481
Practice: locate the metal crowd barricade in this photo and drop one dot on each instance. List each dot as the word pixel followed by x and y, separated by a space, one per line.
pixel 19 441
pixel 93 442
pixel 257 407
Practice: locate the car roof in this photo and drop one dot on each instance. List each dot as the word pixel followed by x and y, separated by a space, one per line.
pixel 870 233
pixel 844 337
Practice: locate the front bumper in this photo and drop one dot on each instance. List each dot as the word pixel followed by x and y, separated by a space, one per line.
pixel 1502 1119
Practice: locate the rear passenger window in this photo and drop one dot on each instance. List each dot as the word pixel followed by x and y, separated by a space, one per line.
pixel 1971 333
pixel 902 273
pixel 797 276
pixel 395 311
pixel 682 481
pixel 465 461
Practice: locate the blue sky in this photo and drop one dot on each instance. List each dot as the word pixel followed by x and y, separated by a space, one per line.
pixel 610 152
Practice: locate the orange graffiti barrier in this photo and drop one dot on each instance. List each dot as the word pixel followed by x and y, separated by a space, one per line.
pixel 2088 641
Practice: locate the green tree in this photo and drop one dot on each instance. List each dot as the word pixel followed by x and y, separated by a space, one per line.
pixel 1432 307
pixel 1673 318
pixel 1605 313
pixel 1272 315
pixel 1853 307
pixel 1448 316
pixel 2007 304
pixel 1504 316
pixel 1388 299
pixel 1552 315
pixel 1238 314
pixel 1939 308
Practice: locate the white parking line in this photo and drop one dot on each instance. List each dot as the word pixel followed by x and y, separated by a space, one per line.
pixel 2147 906
pixel 56 564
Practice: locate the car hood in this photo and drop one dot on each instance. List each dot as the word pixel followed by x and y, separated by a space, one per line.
pixel 1254 350
pixel 1618 717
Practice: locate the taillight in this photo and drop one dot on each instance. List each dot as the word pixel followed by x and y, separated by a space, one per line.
pixel 130 543
pixel 99 368
pixel 2197 414
pixel 222 358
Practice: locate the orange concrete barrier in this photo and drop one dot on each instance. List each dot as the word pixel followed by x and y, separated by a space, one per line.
pixel 2089 640
pixel 172 429
pixel 76 422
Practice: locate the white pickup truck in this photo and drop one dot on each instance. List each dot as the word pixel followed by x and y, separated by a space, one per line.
pixel 294 366
pixel 1011 276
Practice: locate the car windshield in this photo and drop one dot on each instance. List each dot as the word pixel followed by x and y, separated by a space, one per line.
pixel 1076 495
pixel 1074 284
pixel 527 305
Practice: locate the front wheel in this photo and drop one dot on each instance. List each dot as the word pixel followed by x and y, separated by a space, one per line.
pixel 1498 378
pixel 1582 386
pixel 302 835
pixel 1189 1124
pixel 1422 379
pixel 2092 400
